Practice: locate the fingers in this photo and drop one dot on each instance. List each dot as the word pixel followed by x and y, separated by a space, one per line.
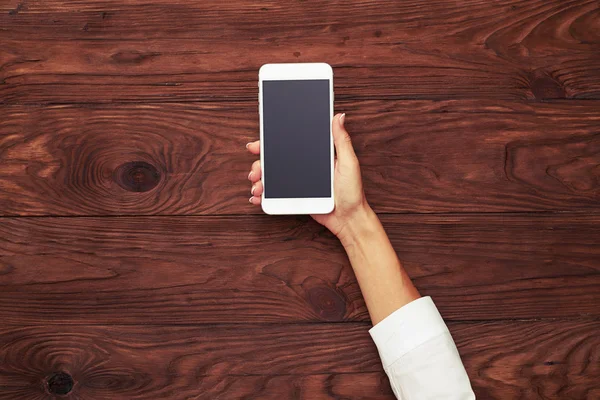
pixel 255 173
pixel 341 138
pixel 257 189
pixel 256 193
pixel 254 147
pixel 256 200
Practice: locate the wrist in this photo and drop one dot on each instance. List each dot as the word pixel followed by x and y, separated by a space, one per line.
pixel 359 225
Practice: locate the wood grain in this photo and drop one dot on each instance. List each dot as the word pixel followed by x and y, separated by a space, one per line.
pixel 181 159
pixel 505 360
pixel 185 270
pixel 129 268
pixel 105 51
pixel 355 386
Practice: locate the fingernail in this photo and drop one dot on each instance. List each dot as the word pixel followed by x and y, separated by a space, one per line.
pixel 250 199
pixel 250 175
pixel 252 190
pixel 342 118
pixel 248 144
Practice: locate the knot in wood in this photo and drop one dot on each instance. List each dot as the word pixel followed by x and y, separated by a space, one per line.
pixel 327 302
pixel 60 383
pixel 544 86
pixel 137 176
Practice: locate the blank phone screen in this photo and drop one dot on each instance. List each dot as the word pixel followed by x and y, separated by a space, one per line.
pixel 296 131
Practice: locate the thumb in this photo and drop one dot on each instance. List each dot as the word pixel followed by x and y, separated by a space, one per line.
pixel 341 138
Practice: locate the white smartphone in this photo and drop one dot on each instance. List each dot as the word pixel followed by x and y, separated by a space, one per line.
pixel 296 144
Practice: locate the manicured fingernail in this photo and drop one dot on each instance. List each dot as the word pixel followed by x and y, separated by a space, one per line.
pixel 250 199
pixel 252 190
pixel 250 175
pixel 248 144
pixel 342 118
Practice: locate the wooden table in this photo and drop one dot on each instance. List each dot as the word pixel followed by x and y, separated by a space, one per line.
pixel 133 267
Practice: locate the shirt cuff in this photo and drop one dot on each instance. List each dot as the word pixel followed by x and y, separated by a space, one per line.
pixel 406 329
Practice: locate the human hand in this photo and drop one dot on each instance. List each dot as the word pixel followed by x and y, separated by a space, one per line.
pixel 350 202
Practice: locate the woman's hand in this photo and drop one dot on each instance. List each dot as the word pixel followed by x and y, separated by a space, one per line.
pixel 351 207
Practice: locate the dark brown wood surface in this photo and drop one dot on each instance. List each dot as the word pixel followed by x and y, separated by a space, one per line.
pixel 417 156
pixel 133 267
pixel 102 51
pixel 286 269
pixel 310 361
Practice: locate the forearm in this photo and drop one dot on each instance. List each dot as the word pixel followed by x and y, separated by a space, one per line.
pixel 383 281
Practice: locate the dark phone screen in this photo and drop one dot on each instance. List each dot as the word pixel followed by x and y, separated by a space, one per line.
pixel 296 130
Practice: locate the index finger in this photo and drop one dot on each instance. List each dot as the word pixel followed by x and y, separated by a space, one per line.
pixel 254 147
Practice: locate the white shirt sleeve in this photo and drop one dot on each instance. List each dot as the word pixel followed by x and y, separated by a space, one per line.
pixel 419 355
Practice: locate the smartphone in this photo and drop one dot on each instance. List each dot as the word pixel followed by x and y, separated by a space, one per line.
pixel 297 154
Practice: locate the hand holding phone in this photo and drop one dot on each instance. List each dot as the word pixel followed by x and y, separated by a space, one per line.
pixel 351 207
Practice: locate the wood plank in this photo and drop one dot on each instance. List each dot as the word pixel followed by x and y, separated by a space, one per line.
pixel 356 386
pixel 167 270
pixel 559 359
pixel 181 159
pixel 104 51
